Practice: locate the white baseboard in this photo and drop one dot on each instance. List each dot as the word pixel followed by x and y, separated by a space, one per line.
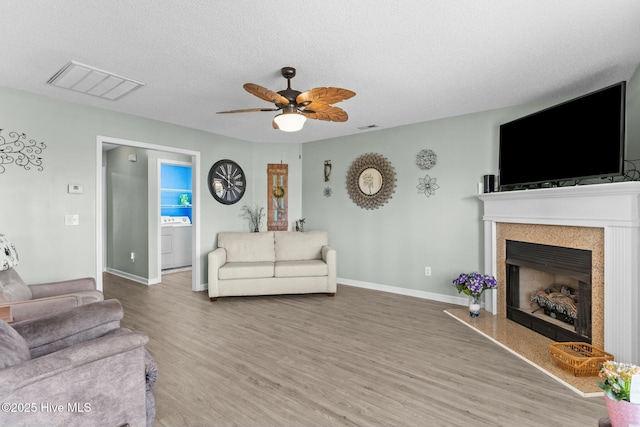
pixel 394 290
pixel 404 291
pixel 133 277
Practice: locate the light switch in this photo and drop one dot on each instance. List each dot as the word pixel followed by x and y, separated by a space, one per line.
pixel 75 189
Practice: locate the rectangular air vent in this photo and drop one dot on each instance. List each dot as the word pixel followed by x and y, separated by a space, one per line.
pixel 92 81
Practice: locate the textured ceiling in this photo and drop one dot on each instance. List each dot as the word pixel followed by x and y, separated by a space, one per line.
pixel 408 61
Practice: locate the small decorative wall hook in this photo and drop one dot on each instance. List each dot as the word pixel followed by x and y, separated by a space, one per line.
pixel 327 170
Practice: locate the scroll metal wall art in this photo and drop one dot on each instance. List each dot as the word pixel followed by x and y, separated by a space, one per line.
pixel 16 149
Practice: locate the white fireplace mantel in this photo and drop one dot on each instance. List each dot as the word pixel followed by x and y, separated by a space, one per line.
pixel 615 207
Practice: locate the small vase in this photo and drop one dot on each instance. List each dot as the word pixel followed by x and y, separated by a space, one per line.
pixel 474 305
pixel 622 413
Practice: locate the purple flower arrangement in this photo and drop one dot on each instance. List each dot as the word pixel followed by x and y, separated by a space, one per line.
pixel 474 284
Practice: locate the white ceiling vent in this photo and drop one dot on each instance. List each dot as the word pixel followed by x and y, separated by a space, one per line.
pixel 92 81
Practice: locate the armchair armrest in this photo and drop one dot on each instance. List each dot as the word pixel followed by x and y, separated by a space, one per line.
pixel 31 371
pixel 44 290
pixel 63 329
pixel 30 309
pixel 106 373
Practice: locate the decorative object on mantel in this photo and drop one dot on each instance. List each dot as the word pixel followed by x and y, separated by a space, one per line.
pixel 474 284
pixel 17 149
pixel 427 186
pixel 327 170
pixel 327 192
pixel 426 159
pixel 617 385
pixel 254 215
pixel 300 225
pixel 371 181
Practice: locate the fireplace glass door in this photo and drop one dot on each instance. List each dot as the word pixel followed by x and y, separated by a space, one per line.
pixel 549 290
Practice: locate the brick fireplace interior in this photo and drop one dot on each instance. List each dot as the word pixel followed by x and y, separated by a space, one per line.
pixel 584 238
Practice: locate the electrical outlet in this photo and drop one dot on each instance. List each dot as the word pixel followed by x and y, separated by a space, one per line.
pixel 427 271
pixel 133 257
pixel 73 219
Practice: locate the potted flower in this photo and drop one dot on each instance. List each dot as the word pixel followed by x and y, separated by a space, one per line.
pixel 616 384
pixel 474 284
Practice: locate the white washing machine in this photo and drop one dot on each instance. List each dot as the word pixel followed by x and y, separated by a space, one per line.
pixel 175 241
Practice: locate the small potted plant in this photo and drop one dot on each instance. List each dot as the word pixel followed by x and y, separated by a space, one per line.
pixel 474 284
pixel 617 378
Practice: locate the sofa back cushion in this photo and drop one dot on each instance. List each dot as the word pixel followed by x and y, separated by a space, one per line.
pixel 297 246
pixel 247 247
pixel 13 348
pixel 13 288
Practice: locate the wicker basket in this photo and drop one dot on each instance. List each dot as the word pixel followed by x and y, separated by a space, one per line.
pixel 579 358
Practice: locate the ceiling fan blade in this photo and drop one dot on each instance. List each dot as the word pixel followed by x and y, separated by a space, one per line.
pixel 327 113
pixel 324 95
pixel 248 110
pixel 266 94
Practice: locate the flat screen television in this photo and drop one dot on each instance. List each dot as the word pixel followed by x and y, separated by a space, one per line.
pixel 579 139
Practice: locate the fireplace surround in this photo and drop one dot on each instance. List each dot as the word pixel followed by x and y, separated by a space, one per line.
pixel 602 218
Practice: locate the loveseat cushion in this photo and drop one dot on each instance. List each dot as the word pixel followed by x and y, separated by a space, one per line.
pixel 247 247
pixel 246 270
pixel 297 246
pixel 13 348
pixel 304 268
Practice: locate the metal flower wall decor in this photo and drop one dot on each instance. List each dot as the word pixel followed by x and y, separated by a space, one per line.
pixel 427 186
pixel 17 149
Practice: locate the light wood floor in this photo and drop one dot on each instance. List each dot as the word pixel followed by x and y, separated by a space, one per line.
pixel 362 358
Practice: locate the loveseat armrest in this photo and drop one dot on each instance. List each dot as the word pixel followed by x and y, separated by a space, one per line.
pixel 44 290
pixel 66 328
pixel 216 259
pixel 329 256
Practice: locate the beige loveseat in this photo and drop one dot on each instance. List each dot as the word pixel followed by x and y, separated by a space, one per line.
pixel 272 262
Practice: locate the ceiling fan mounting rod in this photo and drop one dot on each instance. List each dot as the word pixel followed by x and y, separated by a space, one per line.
pixel 288 73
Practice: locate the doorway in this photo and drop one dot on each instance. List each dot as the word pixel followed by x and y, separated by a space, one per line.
pixel 153 217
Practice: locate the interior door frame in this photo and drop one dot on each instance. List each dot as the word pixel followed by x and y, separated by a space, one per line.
pixel 195 242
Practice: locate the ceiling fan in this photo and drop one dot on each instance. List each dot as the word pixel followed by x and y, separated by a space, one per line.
pixel 298 106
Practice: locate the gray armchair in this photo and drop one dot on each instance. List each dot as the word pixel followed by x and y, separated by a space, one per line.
pixel 76 368
pixel 30 301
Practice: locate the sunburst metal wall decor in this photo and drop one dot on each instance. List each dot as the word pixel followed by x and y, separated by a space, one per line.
pixel 371 181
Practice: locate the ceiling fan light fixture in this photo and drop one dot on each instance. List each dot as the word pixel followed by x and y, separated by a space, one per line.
pixel 290 122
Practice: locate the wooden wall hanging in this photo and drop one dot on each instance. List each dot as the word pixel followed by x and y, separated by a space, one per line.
pixel 278 196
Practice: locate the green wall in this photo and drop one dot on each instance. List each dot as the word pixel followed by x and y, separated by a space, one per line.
pixel 389 248
pixel 34 202
pixel 386 248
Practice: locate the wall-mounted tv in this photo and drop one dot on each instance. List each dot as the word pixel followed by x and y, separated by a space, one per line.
pixel 578 139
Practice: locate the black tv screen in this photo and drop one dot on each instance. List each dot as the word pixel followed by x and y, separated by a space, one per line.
pixel 578 139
